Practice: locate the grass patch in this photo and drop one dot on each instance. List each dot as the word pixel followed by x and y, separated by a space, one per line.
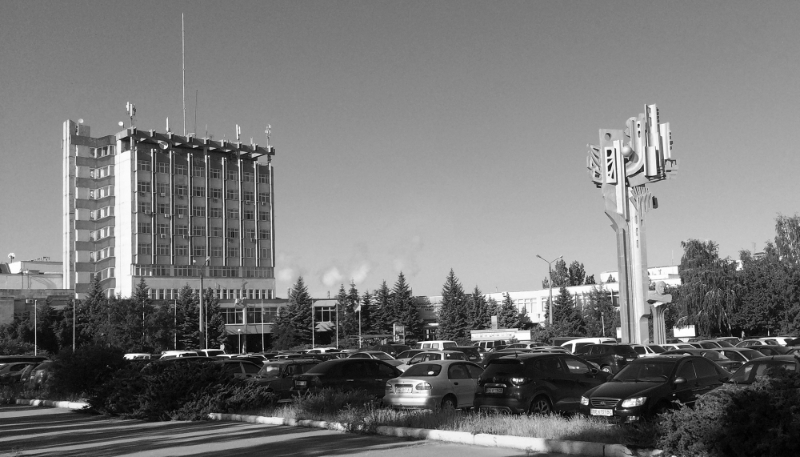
pixel 358 413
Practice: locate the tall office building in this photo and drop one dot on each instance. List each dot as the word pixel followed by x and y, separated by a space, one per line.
pixel 167 208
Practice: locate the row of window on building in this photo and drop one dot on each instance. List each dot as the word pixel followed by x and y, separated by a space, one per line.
pixel 200 250
pixel 186 271
pixel 181 211
pixel 146 227
pixel 222 294
pixel 248 196
pixel 199 171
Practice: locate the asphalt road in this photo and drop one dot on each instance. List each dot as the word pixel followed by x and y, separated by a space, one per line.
pixel 38 431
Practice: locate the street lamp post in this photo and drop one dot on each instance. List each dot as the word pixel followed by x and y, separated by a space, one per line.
pixel 550 282
pixel 240 340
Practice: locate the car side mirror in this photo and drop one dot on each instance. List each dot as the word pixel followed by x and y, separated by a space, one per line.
pixel 592 371
pixel 679 380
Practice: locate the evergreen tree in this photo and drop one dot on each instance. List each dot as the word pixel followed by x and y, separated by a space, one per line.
pixel 93 314
pixel 299 311
pixel 479 314
pixel 163 326
pixel 507 316
pixel 599 314
pixel 452 315
pixel 406 311
pixel 215 319
pixel 350 318
pixel 283 333
pixel 188 305
pixel 143 315
pixel 567 320
pixel 365 315
pixel 383 313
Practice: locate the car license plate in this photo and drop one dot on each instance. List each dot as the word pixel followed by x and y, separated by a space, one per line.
pixel 299 383
pixel 601 412
pixel 494 390
pixel 403 390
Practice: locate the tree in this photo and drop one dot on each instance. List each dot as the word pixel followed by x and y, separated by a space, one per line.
pixel 383 314
pixel 188 317
pixel 366 314
pixel 576 273
pixel 405 310
pixel 143 314
pixel 479 313
pixel 707 295
pixel 567 320
pixel 787 239
pixel 600 314
pixel 452 315
pixel 299 311
pixel 350 324
pixel 341 308
pixel 215 319
pixel 507 316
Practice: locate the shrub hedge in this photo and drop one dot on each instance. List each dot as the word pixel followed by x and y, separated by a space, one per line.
pixel 762 419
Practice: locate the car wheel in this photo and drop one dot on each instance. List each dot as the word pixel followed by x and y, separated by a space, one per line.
pixel 449 403
pixel 605 368
pixel 540 405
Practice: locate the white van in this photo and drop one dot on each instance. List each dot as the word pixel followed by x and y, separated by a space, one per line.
pixel 574 345
pixel 436 345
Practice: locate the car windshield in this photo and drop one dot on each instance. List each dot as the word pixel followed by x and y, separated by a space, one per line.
pixel 649 371
pixel 422 370
pixel 382 356
pixel 270 371
pixel 656 348
pixel 751 353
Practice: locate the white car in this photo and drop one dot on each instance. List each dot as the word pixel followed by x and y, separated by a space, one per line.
pixel 648 350
pixel 431 356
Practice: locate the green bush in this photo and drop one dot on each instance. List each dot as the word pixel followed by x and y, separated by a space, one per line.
pixel 762 419
pixel 81 372
pixel 176 391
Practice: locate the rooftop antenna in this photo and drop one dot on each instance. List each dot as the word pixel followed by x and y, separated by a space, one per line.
pixel 131 109
pixel 11 257
pixel 195 110
pixel 268 131
pixel 238 133
pixel 183 72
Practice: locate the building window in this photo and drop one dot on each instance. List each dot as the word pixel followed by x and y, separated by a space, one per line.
pixel 162 188
pixel 233 233
pixel 180 191
pixel 163 249
pixel 233 213
pixel 215 192
pixel 214 173
pixel 199 250
pixel 199 191
pixel 163 167
pixel 233 251
pixel 143 249
pixel 263 216
pixel 144 227
pixel 143 165
pixel 216 231
pixel 249 253
pixel 143 207
pixel 216 251
pixel 181 210
pixel 263 234
pixel 214 211
pixel 199 230
pixel 143 186
pixel 265 254
pixel 248 214
pixel 247 176
pixel 163 229
pixel 263 178
pixel 199 211
pixel 181 230
pixel 263 198
pixel 249 233
pixel 232 175
pixel 163 208
pixel 247 196
pixel 181 250
pixel 180 169
pixel 232 194
pixel 199 171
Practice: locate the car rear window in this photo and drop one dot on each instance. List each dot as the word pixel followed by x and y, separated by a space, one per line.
pixel 623 349
pixel 422 370
pixel 449 345
pixel 503 366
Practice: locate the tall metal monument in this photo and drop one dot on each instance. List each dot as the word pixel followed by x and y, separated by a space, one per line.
pixel 622 165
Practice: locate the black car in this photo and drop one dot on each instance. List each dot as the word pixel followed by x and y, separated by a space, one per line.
pixel 710 354
pixel 610 357
pixel 748 372
pixel 649 385
pixel 278 376
pixel 239 368
pixel 538 383
pixel 775 349
pixel 489 356
pixel 347 375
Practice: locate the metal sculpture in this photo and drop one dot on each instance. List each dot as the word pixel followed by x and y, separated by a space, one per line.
pixel 622 165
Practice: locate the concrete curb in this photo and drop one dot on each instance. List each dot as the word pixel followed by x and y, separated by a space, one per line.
pixel 54 404
pixel 583 448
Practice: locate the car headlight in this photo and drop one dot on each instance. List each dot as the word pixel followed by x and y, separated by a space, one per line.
pixel 584 401
pixel 631 402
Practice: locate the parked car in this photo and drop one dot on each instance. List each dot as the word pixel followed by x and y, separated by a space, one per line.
pixel 405 356
pixel 178 354
pixel 10 372
pixel 488 357
pixel 239 368
pixel 377 355
pixel 528 345
pixel 537 383
pixel 768 341
pixel 673 346
pixel 445 384
pixel 138 356
pixel 775 350
pixel 706 344
pixel 438 345
pixel 347 375
pixel 649 385
pixel 575 346
pixel 278 376
pixel 432 356
pixel 472 353
pixel 739 355
pixel 38 375
pixel 210 352
pixel 710 354
pixel 747 373
pixel 647 350
pixel 611 357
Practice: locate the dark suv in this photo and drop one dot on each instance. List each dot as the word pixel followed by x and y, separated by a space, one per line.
pixel 538 383
pixel 610 357
pixel 278 376
pixel 347 375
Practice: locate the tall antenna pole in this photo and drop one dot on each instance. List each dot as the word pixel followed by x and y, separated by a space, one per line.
pixel 183 71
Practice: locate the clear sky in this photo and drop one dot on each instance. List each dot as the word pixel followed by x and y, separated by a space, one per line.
pixel 423 136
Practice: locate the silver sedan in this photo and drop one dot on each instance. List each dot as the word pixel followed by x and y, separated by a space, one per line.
pixel 445 384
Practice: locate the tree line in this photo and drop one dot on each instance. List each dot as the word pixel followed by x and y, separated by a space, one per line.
pixel 134 324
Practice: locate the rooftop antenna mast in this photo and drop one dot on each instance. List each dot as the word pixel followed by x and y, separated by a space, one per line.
pixel 183 72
